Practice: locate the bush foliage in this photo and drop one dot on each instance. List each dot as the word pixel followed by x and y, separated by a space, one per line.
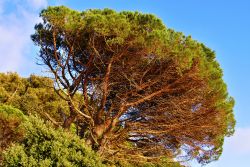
pixel 44 146
pixel 32 95
pixel 10 129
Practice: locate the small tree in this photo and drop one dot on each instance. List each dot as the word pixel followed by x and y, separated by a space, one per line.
pixel 147 92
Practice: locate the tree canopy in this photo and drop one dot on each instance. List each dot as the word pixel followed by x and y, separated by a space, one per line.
pixel 137 90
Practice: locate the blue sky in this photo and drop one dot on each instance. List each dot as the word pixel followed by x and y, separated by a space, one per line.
pixel 223 25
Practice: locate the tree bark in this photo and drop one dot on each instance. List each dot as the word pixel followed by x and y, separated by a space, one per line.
pixel 70 119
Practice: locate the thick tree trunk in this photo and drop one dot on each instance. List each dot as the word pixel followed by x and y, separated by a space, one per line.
pixel 101 133
pixel 69 120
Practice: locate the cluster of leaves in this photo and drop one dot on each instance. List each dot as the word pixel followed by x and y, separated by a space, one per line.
pixel 32 95
pixel 41 144
pixel 10 129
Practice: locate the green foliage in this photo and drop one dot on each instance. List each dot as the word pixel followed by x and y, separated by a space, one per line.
pixel 33 95
pixel 10 112
pixel 45 146
pixel 10 129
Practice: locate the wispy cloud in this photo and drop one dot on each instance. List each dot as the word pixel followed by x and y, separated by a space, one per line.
pixel 37 4
pixel 240 142
pixel 236 150
pixel 17 20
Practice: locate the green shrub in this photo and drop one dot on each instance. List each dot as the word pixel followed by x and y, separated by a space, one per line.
pixel 44 146
pixel 33 95
pixel 10 129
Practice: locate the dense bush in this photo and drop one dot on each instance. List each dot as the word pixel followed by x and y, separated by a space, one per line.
pixel 44 146
pixel 10 129
pixel 32 95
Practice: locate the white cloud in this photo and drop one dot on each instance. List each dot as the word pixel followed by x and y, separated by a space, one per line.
pixel 239 143
pixel 16 26
pixel 37 4
pixel 12 45
pixel 236 150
